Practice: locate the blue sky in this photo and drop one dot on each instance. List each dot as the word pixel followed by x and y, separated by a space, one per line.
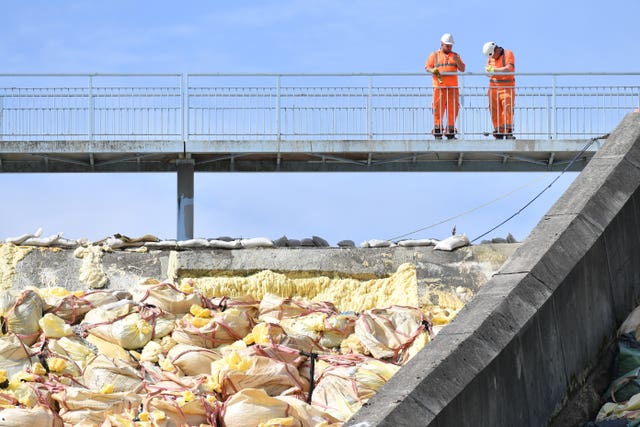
pixel 294 36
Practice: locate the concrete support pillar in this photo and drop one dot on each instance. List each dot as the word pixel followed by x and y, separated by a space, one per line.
pixel 185 168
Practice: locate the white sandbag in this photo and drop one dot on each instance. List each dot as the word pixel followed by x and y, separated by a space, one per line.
pixel 22 313
pixel 113 243
pixel 193 243
pixel 162 244
pixel 73 306
pixel 19 239
pixel 223 244
pixel 74 349
pixel 257 242
pixel 419 242
pixel 101 371
pixel 13 355
pixel 221 328
pixel 327 330
pixel 135 242
pixel 452 242
pixel 187 409
pixel 274 308
pixel 165 296
pixel 193 360
pixel 127 324
pixel 375 243
pixel 347 382
pixel 80 405
pixel 136 330
pixel 24 417
pixel 235 372
pixel 386 333
pixel 273 334
pixel 252 407
pixel 69 243
pixel 42 241
pixel 631 323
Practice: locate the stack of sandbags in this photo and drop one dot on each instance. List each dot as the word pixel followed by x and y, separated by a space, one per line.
pixel 163 355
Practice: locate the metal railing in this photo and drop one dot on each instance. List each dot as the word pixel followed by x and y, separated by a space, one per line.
pixel 237 107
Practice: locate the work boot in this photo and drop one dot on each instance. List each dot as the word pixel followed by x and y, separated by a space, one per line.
pixel 498 135
pixel 509 136
pixel 451 132
pixel 437 132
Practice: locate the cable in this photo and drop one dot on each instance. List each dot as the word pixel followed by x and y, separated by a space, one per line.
pixel 469 211
pixel 591 141
pixel 577 156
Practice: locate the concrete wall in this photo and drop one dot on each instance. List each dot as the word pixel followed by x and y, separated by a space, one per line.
pixel 529 349
pixel 469 267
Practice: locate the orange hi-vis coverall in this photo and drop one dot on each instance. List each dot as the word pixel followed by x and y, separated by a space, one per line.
pixel 445 92
pixel 502 93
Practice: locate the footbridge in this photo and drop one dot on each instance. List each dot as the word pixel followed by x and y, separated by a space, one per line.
pixel 358 122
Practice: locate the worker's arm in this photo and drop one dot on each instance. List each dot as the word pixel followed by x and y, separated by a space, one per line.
pixel 459 63
pixel 429 65
pixel 506 69
pixel 510 63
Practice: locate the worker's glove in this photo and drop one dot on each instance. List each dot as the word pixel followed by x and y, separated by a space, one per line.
pixel 490 68
pixel 436 73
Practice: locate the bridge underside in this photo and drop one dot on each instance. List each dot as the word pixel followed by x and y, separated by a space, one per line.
pixel 297 156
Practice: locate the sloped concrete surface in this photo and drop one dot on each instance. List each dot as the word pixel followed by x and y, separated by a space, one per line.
pixel 530 348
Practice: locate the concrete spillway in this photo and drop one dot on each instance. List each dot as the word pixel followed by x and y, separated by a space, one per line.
pixel 530 348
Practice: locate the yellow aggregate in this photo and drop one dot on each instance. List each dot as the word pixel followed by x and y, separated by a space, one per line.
pixel 347 294
pixel 92 273
pixel 10 256
pixel 447 306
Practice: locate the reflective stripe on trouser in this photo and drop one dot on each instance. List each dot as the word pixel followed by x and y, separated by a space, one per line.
pixel 445 99
pixel 501 101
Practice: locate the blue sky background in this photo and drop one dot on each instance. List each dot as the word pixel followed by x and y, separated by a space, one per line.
pixel 295 36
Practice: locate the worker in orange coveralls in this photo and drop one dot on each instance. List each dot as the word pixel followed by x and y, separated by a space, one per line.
pixel 502 90
pixel 445 87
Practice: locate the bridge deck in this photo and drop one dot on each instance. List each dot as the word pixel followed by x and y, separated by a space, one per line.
pixel 298 156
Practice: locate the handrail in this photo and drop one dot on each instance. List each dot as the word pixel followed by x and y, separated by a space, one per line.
pixel 292 106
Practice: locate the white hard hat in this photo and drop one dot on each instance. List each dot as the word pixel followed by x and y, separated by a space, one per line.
pixel 446 38
pixel 488 48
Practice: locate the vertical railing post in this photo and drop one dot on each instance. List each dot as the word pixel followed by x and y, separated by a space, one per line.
pixel 461 112
pixel 553 108
pixel 1 117
pixel 91 111
pixel 549 122
pixel 278 130
pixel 369 96
pixel 184 107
